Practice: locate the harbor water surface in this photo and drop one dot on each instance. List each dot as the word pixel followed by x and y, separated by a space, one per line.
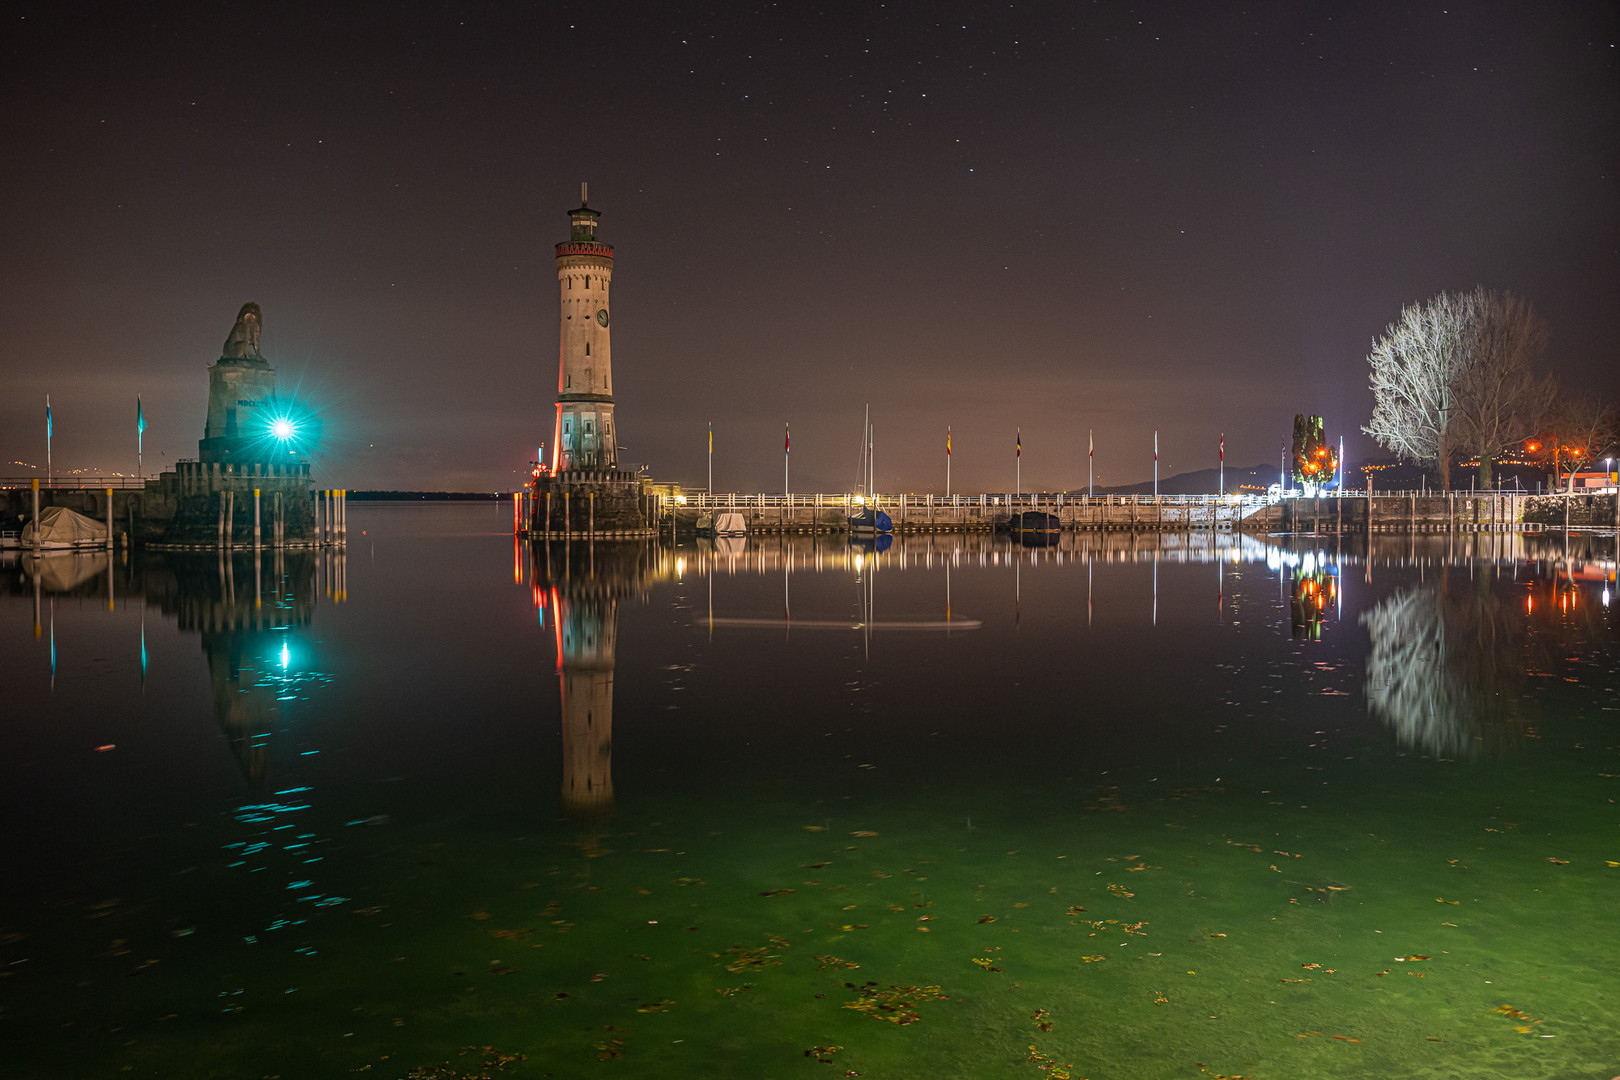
pixel 442 805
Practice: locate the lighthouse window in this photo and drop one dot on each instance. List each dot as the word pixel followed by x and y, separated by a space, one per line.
pixel 587 427
pixel 587 348
pixel 568 382
pixel 587 281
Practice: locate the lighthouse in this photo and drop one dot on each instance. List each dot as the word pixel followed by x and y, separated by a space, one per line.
pixel 584 436
pixel 583 489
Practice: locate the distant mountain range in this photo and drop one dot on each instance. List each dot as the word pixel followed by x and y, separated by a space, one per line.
pixel 1255 479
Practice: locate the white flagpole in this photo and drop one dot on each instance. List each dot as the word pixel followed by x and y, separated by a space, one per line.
pixel 1091 457
pixel 1223 464
pixel 711 461
pixel 1155 465
pixel 947 465
pixel 47 440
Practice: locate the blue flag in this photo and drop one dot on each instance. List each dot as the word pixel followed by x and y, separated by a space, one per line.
pixel 47 416
pixel 140 419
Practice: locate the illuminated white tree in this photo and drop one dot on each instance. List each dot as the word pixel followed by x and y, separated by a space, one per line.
pixel 1459 372
pixel 1414 368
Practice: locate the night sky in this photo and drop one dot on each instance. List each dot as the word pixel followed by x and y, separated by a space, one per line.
pixel 998 217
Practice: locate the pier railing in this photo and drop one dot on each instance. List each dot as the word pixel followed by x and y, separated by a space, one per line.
pixel 1003 503
pixel 1273 511
pixel 77 483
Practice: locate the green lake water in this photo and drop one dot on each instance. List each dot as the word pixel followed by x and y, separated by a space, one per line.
pixel 1180 806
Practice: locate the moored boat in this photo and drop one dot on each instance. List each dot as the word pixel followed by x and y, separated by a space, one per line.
pixel 869 520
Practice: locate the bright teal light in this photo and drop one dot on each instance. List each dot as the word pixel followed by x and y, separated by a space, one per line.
pixel 283 428
pixel 286 656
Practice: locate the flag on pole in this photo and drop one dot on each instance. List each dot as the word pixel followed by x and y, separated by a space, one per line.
pixel 787 440
pixel 1018 445
pixel 47 416
pixel 1155 448
pixel 140 417
pixel 947 440
pixel 711 438
pixel 1223 447
pixel 1091 447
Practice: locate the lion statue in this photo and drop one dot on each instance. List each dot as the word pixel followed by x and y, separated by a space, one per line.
pixel 243 344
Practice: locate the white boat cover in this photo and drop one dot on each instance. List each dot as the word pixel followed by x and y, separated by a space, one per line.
pixel 60 527
pixel 730 525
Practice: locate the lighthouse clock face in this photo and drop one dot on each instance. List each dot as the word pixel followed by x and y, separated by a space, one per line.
pixel 602 316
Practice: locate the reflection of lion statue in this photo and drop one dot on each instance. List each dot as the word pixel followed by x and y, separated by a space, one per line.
pixel 243 344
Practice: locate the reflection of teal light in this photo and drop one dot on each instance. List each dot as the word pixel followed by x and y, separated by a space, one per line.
pixel 286 656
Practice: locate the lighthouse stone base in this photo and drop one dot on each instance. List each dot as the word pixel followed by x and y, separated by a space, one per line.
pixel 591 502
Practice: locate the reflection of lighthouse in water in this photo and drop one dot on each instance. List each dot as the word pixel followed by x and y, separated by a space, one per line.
pixel 579 588
pixel 587 629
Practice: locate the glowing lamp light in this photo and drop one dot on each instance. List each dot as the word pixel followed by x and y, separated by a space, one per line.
pixel 283 428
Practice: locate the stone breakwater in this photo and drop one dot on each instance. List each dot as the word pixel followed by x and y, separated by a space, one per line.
pixel 1586 511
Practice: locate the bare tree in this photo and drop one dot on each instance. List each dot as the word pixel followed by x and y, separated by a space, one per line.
pixel 1459 371
pixel 1500 396
pixel 1414 367
pixel 1580 430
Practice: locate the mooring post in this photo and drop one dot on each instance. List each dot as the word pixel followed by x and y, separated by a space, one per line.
pixel 568 519
pixel 590 516
pixel 256 544
pixel 109 539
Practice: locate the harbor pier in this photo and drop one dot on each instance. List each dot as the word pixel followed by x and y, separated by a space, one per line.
pixel 1361 511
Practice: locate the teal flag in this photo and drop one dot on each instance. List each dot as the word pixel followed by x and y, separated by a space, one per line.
pixel 140 418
